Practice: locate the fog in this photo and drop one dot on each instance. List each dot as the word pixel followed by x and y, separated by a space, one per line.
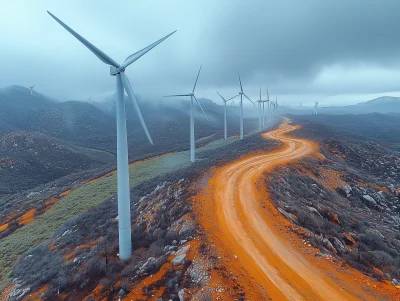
pixel 338 53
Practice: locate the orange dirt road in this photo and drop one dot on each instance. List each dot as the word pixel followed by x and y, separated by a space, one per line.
pixel 246 229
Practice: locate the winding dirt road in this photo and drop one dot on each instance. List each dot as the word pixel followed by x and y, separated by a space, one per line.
pixel 243 224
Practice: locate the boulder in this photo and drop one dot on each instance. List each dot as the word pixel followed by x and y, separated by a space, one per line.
pixel 178 260
pixel 182 250
pixel 369 200
pixel 327 244
pixel 313 210
pixel 347 189
pixel 289 216
pixel 375 233
pixel 339 246
pixel 147 266
pixel 348 239
pixel 181 295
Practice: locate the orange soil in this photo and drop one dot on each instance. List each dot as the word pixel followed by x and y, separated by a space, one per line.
pixel 3 227
pixel 27 217
pixel 240 220
pixel 36 296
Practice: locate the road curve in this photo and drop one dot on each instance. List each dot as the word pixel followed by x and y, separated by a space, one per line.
pixel 241 227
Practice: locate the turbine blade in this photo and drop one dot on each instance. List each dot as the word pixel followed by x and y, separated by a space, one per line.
pixel 134 57
pixel 260 93
pixel 176 95
pixel 131 95
pixel 195 83
pixel 240 81
pixel 232 97
pixel 248 98
pixel 100 54
pixel 221 97
pixel 201 107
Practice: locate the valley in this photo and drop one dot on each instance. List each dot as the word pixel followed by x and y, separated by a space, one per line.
pixel 196 235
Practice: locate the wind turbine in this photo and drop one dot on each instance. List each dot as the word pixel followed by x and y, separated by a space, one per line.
pixel 269 109
pixel 122 83
pixel 90 100
pixel 192 145
pixel 241 107
pixel 316 108
pixel 225 101
pixel 31 88
pixel 261 107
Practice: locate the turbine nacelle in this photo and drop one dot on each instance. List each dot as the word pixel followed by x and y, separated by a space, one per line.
pixel 114 71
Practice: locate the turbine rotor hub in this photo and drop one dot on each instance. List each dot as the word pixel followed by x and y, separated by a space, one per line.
pixel 121 68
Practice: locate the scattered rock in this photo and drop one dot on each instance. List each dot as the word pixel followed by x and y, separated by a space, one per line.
pixel 348 239
pixel 181 295
pixel 376 233
pixel 289 216
pixel 178 259
pixel 121 293
pixel 328 245
pixel 369 200
pixel 313 210
pixel 339 245
pixel 348 190
pixel 148 265
pixel 182 250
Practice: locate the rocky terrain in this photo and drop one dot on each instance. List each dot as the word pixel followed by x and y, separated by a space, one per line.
pixel 347 201
pixel 170 260
pixel 49 139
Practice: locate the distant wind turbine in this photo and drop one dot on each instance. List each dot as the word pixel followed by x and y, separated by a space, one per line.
pixel 192 145
pixel 241 93
pixel 261 109
pixel 122 83
pixel 225 101
pixel 31 88
pixel 316 108
pixel 90 100
pixel 269 109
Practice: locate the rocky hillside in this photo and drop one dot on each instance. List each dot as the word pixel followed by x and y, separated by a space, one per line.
pixel 80 128
pixel 28 159
pixel 170 260
pixel 348 201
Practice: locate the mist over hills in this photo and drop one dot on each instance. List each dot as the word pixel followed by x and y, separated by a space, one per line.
pixel 52 139
pixel 378 127
pixel 78 135
pixel 383 105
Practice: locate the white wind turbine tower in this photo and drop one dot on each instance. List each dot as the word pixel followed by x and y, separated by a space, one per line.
pixel 241 106
pixel 90 100
pixel 122 83
pixel 31 88
pixel 269 109
pixel 225 101
pixel 316 108
pixel 261 109
pixel 192 142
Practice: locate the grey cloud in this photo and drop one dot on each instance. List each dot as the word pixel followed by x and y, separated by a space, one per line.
pixel 288 45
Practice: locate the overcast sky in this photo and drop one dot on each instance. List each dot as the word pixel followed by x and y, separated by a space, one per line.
pixel 337 52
